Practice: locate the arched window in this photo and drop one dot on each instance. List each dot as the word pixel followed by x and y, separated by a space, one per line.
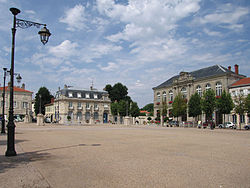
pixel 199 91
pixel 208 86
pixel 184 92
pixel 164 97
pixel 87 116
pixel 96 116
pixel 71 114
pixel 79 116
pixel 171 95
pixel 158 97
pixel 218 88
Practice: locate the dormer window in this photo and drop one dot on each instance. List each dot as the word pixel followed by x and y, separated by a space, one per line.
pixel 79 95
pixel 95 96
pixel 70 94
pixel 87 96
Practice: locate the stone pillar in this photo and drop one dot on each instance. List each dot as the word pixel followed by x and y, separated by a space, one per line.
pixel 40 119
pixel 127 120
pixel 27 119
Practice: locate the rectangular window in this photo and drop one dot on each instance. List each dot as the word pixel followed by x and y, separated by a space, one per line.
pixel 70 94
pixel 70 104
pixel 87 106
pixel 79 95
pixel 233 94
pixel 95 96
pixel 242 118
pixel 25 105
pixel 79 104
pixel 96 106
pixel 87 95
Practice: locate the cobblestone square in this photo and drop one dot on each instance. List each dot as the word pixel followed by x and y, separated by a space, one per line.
pixel 119 156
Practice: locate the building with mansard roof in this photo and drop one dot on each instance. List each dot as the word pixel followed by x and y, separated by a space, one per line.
pixel 215 77
pixel 82 106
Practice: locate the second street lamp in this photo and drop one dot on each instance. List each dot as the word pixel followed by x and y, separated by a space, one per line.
pixel 44 35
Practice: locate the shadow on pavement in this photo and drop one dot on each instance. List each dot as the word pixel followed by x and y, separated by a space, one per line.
pixel 27 157
pixel 4 142
pixel 64 147
pixel 20 159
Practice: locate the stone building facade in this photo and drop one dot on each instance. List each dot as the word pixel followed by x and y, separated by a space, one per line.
pixel 215 77
pixel 241 87
pixel 22 101
pixel 82 106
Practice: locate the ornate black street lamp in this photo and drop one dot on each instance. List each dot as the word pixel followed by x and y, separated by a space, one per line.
pixel 44 35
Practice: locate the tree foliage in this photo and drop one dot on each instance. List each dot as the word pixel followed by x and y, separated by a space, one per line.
pixel 123 108
pixel 208 103
pixel 149 107
pixel 114 108
pixel 179 106
pixel 240 107
pixel 134 110
pixel 225 103
pixel 194 105
pixel 45 99
pixel 118 92
pixel 247 104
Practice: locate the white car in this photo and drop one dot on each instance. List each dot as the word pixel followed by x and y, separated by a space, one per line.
pixel 228 124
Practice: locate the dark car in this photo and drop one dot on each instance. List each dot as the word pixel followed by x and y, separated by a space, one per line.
pixel 208 124
pixel 247 127
pixel 174 124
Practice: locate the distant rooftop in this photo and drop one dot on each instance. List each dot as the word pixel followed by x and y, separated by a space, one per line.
pixel 214 70
pixel 241 82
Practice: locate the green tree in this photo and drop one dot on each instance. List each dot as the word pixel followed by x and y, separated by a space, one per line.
pixel 240 106
pixel 194 105
pixel 247 104
pixel 224 104
pixel 149 107
pixel 134 110
pixel 208 103
pixel 123 108
pixel 179 106
pixel 45 99
pixel 117 92
pixel 114 108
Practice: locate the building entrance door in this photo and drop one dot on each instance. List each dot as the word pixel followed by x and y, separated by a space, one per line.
pixel 105 118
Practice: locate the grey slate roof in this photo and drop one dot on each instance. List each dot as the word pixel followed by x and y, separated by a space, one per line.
pixel 91 93
pixel 214 70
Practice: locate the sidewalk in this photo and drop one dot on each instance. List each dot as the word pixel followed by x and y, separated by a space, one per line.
pixel 16 171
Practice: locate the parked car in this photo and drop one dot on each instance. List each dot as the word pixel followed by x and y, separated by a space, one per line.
pixel 208 124
pixel 174 123
pixel 247 127
pixel 228 124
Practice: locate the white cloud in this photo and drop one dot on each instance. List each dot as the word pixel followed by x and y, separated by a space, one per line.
pixel 111 67
pixel 227 18
pixel 64 50
pixel 212 33
pixel 74 18
pixel 144 18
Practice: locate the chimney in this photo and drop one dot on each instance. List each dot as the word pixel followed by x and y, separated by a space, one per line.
pixel 236 67
pixel 229 68
pixel 23 86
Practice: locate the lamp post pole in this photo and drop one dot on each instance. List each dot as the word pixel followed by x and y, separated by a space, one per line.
pixel 44 35
pixel 3 118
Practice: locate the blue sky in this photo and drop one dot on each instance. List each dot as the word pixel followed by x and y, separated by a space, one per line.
pixel 140 43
